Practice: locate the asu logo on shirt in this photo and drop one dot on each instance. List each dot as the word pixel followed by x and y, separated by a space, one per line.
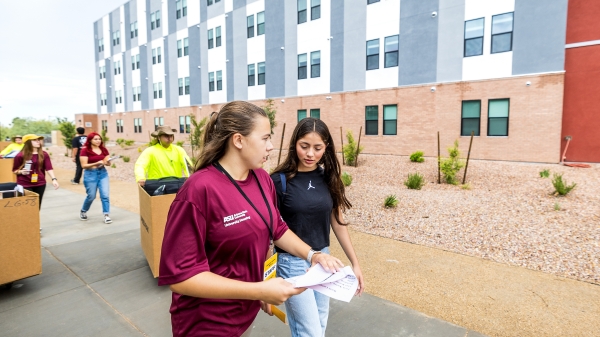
pixel 236 218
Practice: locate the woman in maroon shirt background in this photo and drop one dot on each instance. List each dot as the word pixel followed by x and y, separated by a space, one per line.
pixel 220 230
pixel 34 178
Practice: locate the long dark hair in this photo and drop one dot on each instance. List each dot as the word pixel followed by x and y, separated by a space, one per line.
pixel 27 152
pixel 88 142
pixel 234 117
pixel 329 161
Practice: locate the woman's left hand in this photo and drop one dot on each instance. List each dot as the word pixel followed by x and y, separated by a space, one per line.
pixel 329 263
pixel 361 280
pixel 55 184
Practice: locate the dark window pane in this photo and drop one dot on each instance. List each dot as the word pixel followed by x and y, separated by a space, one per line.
pixel 250 32
pixel 251 80
pixel 474 47
pixel 468 125
pixel 261 79
pixel 302 73
pixel 302 16
pixel 210 44
pixel 315 13
pixel 391 59
pixel 211 86
pixel 371 128
pixel 315 113
pixel 498 126
pixel 315 71
pixel 389 127
pixel 371 113
pixel 301 115
pixel 260 29
pixel 371 1
pixel 219 85
pixel 218 42
pixel 501 43
pixel 373 62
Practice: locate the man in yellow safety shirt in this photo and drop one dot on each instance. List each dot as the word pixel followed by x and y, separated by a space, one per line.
pixel 17 145
pixel 163 159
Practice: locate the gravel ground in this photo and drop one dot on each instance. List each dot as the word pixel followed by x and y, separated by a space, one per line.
pixel 508 215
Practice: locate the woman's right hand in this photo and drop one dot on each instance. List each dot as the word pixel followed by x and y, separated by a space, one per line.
pixel 277 290
pixel 99 164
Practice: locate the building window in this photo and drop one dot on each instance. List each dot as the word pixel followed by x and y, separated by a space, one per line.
pixel 100 45
pixel 372 120
pixel 155 20
pixel 315 9
pixel 219 80
pixel 116 37
pixel 139 94
pixel 261 73
pixel 158 121
pixel 102 98
pixel 179 48
pixel 301 11
pixel 137 61
pixel 137 125
pixel 117 93
pixel 105 125
pixel 181 6
pixel 315 113
pixel 100 72
pixel 211 81
pixel 210 2
pixel 474 37
pixel 133 62
pixel 103 71
pixel 210 39
pixel 302 66
pixel 470 118
pixel 117 67
pixel 502 31
pixel 301 115
pixel 371 1
pixel 373 54
pixel 134 94
pixel 185 125
pixel 390 115
pixel 315 64
pixel 134 29
pixel 187 85
pixel 119 126
pixel 250 25
pixel 156 55
pixel 218 37
pixel 181 87
pixel 391 51
pixel 181 124
pixel 251 78
pixel 186 47
pixel 260 23
pixel 498 117
pixel 158 90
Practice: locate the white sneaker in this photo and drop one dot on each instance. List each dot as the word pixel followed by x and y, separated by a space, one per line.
pixel 83 216
pixel 107 219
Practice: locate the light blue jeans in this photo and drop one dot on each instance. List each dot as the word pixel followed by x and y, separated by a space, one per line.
pixel 94 180
pixel 308 312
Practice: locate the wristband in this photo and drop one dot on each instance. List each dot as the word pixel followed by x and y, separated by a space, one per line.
pixel 311 252
pixel 54 179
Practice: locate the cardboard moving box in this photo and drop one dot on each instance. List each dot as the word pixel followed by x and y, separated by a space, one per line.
pixel 4 144
pixel 6 173
pixel 20 251
pixel 153 218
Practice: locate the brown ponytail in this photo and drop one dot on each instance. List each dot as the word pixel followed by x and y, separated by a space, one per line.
pixel 234 117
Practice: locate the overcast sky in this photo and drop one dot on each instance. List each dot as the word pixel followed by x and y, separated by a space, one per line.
pixel 47 65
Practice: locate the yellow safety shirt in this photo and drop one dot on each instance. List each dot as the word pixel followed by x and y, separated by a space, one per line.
pixel 12 147
pixel 157 162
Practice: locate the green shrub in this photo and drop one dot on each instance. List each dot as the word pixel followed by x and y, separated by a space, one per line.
pixel 349 149
pixel 179 143
pixel 390 201
pixel 129 142
pixel 346 179
pixel 104 137
pixel 545 173
pixel 450 166
pixel 417 157
pixel 415 181
pixel 466 186
pixel 113 166
pixel 126 159
pixel 120 141
pixel 556 206
pixel 560 186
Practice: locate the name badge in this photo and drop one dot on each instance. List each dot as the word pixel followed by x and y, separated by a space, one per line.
pixel 34 178
pixel 270 270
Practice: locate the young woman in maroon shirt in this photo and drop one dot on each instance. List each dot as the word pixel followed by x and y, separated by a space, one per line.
pixel 220 230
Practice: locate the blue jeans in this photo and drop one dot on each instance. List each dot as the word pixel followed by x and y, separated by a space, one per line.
pixel 308 312
pixel 93 180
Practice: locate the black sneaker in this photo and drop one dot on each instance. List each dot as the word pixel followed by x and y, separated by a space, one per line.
pixel 83 216
pixel 73 182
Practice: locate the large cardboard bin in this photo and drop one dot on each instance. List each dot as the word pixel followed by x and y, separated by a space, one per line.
pixel 4 144
pixel 20 247
pixel 153 218
pixel 6 172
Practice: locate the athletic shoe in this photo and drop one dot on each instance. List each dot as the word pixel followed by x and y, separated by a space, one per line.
pixel 73 182
pixel 83 216
pixel 107 219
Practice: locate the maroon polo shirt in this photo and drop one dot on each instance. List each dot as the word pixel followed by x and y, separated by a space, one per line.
pixel 25 180
pixel 211 227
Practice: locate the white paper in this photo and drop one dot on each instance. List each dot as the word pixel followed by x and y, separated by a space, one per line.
pixel 341 285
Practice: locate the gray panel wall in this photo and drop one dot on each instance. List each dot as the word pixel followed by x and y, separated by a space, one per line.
pixel 239 57
pixel 127 87
pixel 274 40
pixel 148 27
pixel 110 98
pixel 212 11
pixel 172 14
pixel 204 59
pixel 194 59
pixel 126 35
pixel 146 76
pixel 97 72
pixel 115 25
pixel 355 45
pixel 417 58
pixel 132 18
pixel 239 4
pixel 156 5
pixel 539 36
pixel 337 46
pixel 290 53
pixel 172 80
pixel 97 35
pixel 229 46
pixel 451 17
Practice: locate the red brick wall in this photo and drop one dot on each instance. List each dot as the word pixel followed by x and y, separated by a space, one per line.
pixel 582 21
pixel 534 120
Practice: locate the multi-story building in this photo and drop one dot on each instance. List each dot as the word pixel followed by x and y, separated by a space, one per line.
pixel 401 70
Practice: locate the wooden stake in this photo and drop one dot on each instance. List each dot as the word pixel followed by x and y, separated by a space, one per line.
pixel 342 139
pixel 281 144
pixel 357 148
pixel 468 155
pixel 439 174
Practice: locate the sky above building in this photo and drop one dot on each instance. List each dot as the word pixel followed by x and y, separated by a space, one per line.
pixel 47 65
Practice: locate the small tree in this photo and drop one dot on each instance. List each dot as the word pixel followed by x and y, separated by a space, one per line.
pixel 349 149
pixel 450 166
pixel 67 129
pixel 271 112
pixel 197 134
pixel 104 137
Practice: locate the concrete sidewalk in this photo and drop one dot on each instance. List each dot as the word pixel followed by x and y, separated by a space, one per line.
pixel 96 282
